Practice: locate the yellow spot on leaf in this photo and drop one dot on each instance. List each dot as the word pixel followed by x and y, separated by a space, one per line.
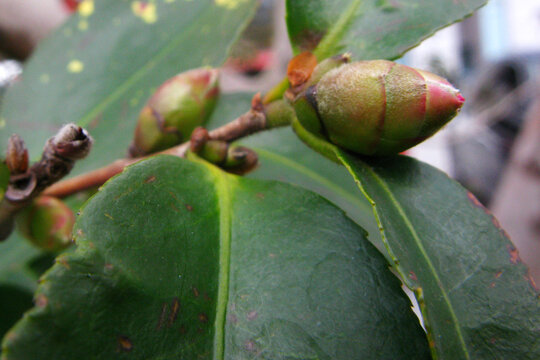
pixel 229 4
pixel 45 78
pixel 169 1
pixel 83 25
pixel 145 10
pixel 75 66
pixel 2 123
pixel 86 8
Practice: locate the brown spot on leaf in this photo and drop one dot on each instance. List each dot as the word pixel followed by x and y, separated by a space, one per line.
pixel 41 301
pixel 308 39
pixel 124 344
pixel 195 291
pixel 252 315
pixel 496 222
pixel 413 276
pixel 150 179
pixel 250 346
pixel 531 281
pixel 63 261
pixel 492 285
pixel 492 341
pixel 175 306
pixel 183 330
pixel 162 316
pixel 189 207
pixel 474 200
pixel 95 121
pixel 260 195
pixel 203 318
pixel 514 254
pixel 232 318
pixel 498 275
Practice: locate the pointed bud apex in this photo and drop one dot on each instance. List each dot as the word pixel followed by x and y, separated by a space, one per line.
pixel 377 107
pixel 17 155
pixel 178 106
pixel 47 223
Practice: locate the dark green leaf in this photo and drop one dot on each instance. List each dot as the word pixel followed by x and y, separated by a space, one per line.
pixel 477 297
pixel 99 69
pixel 15 256
pixel 176 259
pixel 370 29
pixel 285 158
pixel 17 280
pixel 4 179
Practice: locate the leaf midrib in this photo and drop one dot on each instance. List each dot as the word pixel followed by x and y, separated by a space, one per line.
pixel 142 71
pixel 223 190
pixel 335 33
pixel 416 239
pixel 288 162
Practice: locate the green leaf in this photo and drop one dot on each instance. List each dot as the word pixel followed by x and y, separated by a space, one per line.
pixel 4 179
pixel 176 259
pixel 101 66
pixel 477 298
pixel 18 280
pixel 370 29
pixel 285 158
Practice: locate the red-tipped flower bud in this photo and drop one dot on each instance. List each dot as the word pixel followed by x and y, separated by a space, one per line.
pixel 178 106
pixel 377 107
pixel 47 223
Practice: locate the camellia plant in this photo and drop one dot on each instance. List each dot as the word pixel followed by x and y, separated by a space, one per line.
pixel 278 225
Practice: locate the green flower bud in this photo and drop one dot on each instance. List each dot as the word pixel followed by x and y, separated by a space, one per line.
pixel 178 106
pixel 47 223
pixel 377 107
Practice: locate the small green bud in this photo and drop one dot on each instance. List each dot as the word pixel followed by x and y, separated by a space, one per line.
pixel 377 107
pixel 47 223
pixel 240 160
pixel 178 106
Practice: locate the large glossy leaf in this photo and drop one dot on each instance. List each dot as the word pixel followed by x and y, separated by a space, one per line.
pixel 370 29
pixel 101 66
pixel 283 157
pixel 477 297
pixel 176 259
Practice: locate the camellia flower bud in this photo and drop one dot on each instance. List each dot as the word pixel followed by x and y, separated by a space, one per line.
pixel 377 107
pixel 47 223
pixel 178 106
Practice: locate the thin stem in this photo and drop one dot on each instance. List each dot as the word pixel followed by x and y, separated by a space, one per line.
pixel 251 122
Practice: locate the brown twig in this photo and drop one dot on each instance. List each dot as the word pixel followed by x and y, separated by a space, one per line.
pixel 251 122
pixel 25 183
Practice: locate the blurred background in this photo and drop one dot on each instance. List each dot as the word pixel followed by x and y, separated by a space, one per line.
pixel 493 146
